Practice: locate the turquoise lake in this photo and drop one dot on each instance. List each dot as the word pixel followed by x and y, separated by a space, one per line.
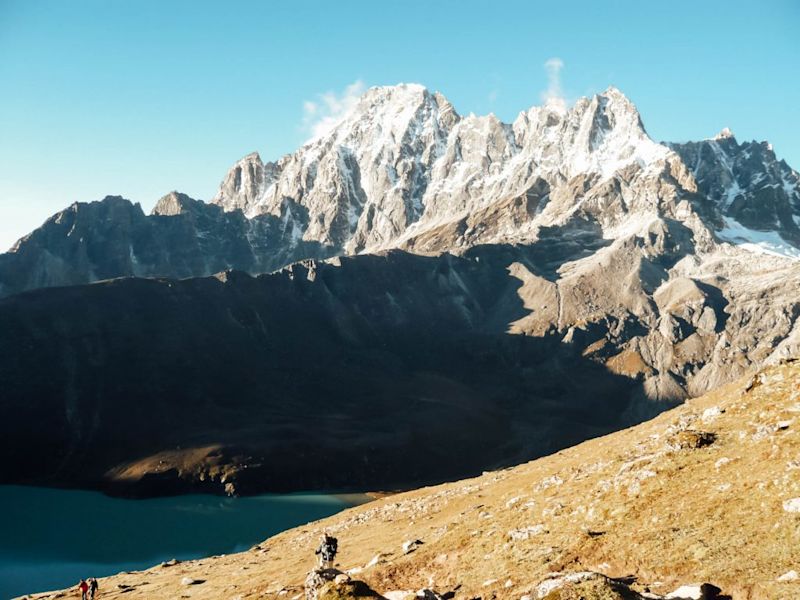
pixel 51 538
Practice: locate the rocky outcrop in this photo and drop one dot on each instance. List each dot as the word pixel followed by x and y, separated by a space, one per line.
pixel 332 584
pixel 583 584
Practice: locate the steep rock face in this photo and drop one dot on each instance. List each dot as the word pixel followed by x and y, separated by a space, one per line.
pixel 746 183
pixel 246 181
pixel 359 372
pixel 361 184
pixel 374 370
pixel 403 163
pixel 71 248
pixel 89 242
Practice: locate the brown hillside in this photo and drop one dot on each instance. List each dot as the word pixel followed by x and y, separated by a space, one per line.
pixel 709 491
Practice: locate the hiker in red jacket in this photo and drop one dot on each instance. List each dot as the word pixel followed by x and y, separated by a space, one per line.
pixel 83 587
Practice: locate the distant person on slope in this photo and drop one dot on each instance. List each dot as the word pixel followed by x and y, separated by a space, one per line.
pixel 328 547
pixel 92 588
pixel 83 587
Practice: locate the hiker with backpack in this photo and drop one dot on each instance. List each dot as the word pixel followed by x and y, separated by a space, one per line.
pixel 328 547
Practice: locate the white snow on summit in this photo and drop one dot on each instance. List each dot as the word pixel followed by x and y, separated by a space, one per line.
pixel 400 163
pixel 761 242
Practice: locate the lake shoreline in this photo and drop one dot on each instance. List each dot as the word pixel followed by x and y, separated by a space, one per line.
pixel 174 488
pixel 55 536
pixel 133 492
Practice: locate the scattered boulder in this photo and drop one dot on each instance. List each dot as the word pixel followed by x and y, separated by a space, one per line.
pixel 789 576
pixel 711 413
pixel 333 584
pixel 690 439
pixel 526 533
pixel 792 505
pixel 584 584
pixel 319 578
pixel 170 563
pixel 696 591
pixel 398 595
pixel 722 462
pixel 411 545
pixel 192 581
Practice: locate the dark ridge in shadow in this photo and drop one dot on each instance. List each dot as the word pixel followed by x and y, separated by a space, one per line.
pixel 371 372
pixel 556 246
pixel 112 238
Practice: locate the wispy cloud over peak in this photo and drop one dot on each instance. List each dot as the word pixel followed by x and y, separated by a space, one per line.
pixel 322 114
pixel 554 95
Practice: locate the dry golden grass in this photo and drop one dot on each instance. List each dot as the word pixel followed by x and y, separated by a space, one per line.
pixel 647 501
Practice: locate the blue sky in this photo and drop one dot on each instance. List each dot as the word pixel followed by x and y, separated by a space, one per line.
pixel 139 98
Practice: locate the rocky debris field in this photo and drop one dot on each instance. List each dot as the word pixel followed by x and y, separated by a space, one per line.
pixel 701 502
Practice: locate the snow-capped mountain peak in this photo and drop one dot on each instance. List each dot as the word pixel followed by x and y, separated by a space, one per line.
pixel 403 169
pixel 403 161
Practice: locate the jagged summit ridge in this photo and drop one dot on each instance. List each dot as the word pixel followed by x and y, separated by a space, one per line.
pixel 366 175
pixel 750 189
pixel 403 164
pixel 403 169
pixel 403 159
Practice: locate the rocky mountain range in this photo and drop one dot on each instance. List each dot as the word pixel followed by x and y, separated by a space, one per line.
pixel 431 284
pixel 404 170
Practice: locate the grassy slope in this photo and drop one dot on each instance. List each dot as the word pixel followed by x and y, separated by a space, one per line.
pixel 625 504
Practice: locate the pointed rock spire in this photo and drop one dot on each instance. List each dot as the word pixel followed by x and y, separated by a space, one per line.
pixel 172 204
pixel 243 184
